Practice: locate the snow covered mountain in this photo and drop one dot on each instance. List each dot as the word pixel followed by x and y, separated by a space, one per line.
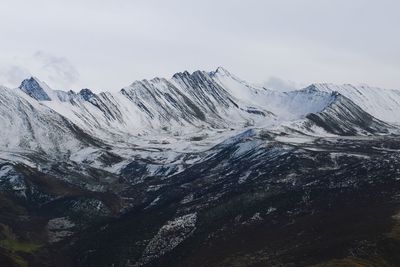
pixel 195 101
pixel 187 103
pixel 188 112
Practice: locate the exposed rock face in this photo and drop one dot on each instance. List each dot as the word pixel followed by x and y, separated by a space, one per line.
pixel 168 237
pixel 34 89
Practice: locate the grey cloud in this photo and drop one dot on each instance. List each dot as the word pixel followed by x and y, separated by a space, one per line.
pixel 13 75
pixel 58 69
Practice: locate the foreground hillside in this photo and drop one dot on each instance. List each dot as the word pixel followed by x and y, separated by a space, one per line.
pixel 202 169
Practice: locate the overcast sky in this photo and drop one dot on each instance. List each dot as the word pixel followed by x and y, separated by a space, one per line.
pixel 107 44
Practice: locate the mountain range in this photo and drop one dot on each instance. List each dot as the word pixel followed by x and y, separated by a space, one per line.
pixel 202 169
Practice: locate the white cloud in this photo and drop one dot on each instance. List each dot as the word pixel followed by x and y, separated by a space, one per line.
pixel 57 71
pixel 13 75
pixel 282 85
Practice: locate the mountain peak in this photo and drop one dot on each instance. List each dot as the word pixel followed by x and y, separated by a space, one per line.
pixel 180 75
pixel 35 89
pixel 222 71
pixel 86 94
pixel 311 88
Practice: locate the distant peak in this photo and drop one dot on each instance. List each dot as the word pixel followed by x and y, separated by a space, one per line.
pixel 222 71
pixel 318 85
pixel 219 71
pixel 312 88
pixel 322 87
pixel 35 89
pixel 329 87
pixel 30 80
pixel 181 75
pixel 86 94
pixel 33 79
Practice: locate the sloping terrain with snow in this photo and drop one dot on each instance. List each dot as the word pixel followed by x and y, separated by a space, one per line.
pixel 27 125
pixel 381 103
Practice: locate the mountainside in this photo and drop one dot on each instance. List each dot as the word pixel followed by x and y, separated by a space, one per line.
pixel 202 169
pixel 29 126
pixel 381 103
pixel 343 117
